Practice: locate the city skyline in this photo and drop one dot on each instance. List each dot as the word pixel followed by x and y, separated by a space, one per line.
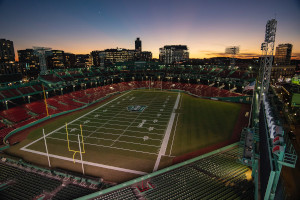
pixel 207 28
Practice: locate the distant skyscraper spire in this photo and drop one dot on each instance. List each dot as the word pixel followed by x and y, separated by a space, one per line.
pixel 138 45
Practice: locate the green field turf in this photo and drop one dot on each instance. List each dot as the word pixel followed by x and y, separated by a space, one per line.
pixel 117 138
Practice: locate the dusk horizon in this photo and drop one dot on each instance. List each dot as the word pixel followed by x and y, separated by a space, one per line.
pixel 207 28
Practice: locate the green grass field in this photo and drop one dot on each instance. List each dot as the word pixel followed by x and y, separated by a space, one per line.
pixel 117 139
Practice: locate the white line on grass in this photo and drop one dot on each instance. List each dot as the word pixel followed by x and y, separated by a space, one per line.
pixel 174 132
pixel 112 134
pixel 23 148
pixel 107 139
pixel 88 163
pixel 130 124
pixel 101 145
pixel 164 145
pixel 123 129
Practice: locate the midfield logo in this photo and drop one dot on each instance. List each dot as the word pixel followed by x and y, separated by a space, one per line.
pixel 136 108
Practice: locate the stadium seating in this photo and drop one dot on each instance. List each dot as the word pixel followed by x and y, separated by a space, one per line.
pixel 37 87
pixel 15 115
pixel 51 78
pixel 7 94
pixel 26 90
pixel 122 194
pixel 26 185
pixel 55 103
pixel 218 176
pixel 24 181
pixel 71 192
pixel 2 125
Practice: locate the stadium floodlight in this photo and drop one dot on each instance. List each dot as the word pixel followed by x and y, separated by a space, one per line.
pixel 233 50
pixel 267 48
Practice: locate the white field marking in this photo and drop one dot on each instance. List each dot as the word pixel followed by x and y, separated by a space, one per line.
pixel 23 148
pixel 150 145
pixel 101 145
pixel 180 103
pixel 103 124
pixel 113 134
pixel 149 114
pixel 88 163
pixel 165 141
pixel 177 101
pixel 130 125
pixel 155 91
pixel 127 121
pixel 130 130
pixel 151 128
pixel 174 132
pixel 142 123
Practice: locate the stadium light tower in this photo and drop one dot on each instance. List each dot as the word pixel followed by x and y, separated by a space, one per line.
pixel 267 48
pixel 233 51
pixel 41 52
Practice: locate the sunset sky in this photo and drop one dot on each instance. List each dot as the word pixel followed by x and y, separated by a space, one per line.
pixel 207 27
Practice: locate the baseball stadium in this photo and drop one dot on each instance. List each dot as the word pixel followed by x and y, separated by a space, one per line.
pixel 158 132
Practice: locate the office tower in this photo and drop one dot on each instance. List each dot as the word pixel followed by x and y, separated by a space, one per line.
pixel 171 54
pixel 138 45
pixel 7 52
pixel 283 54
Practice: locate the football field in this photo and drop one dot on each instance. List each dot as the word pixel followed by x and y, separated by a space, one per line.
pixel 137 122
pixel 131 134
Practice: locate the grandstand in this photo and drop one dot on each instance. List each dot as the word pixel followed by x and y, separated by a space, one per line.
pixel 201 159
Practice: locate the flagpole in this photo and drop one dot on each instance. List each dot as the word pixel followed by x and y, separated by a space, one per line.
pixel 80 155
pixel 46 148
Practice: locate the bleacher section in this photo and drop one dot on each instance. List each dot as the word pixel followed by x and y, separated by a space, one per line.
pixel 218 176
pixel 24 185
pixel 71 192
pixel 19 180
pixel 15 115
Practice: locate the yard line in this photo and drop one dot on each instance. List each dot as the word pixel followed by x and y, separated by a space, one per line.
pixel 128 126
pixel 180 103
pixel 113 134
pixel 23 148
pixel 107 139
pixel 164 145
pixel 120 111
pixel 130 130
pixel 174 132
pixel 88 163
pixel 100 145
pixel 102 125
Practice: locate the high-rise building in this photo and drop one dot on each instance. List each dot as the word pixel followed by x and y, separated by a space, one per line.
pixel 146 56
pixel 96 58
pixel 7 52
pixel 83 60
pixel 30 61
pixel 28 57
pixel 171 54
pixel 70 60
pixel 283 54
pixel 112 56
pixel 138 45
pixel 56 60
